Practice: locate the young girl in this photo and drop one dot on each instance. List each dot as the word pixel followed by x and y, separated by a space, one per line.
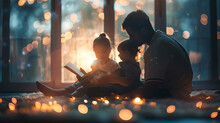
pixel 128 80
pixel 102 49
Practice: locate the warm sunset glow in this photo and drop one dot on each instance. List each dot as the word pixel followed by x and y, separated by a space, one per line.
pixel 138 101
pixel 11 106
pixel 199 104
pixel 186 34
pixel 29 47
pixel 214 115
pixel 1 100
pixel 47 15
pixel 153 104
pixel 171 109
pixel 101 16
pixel 125 114
pixel 170 31
pixel 13 100
pixel 94 102
pixel 46 41
pixel 21 2
pixel 68 35
pixel 30 1
pixel 83 109
pixel 57 108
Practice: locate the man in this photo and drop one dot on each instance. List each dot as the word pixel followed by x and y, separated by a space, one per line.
pixel 168 71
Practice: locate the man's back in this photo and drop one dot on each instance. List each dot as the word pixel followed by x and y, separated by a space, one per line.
pixel 167 60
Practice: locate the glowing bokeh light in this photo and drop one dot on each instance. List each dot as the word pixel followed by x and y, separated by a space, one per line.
pixel 94 102
pixel 138 101
pixel 101 16
pixel 47 15
pixel 21 2
pixel 30 1
pixel 199 104
pixel 29 47
pixel 125 114
pixel 204 19
pixel 218 35
pixel 153 104
pixel 14 100
pixel 83 109
pixel 57 108
pixel 68 35
pixel 186 34
pixel 106 102
pixel 11 106
pixel 46 40
pixel 85 101
pixel 37 105
pixel 171 109
pixel 35 44
pixel 1 100
pixel 214 115
pixel 170 31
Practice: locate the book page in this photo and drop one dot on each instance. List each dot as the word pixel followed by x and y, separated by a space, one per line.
pixel 71 67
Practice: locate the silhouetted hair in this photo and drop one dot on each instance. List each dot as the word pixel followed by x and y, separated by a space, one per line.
pixel 102 40
pixel 136 20
pixel 129 46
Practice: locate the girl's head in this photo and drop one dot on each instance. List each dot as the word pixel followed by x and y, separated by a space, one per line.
pixel 102 47
pixel 127 50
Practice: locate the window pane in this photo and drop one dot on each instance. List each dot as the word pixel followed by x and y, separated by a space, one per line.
pixel 188 23
pixel 122 9
pixel 30 27
pixel 218 35
pixel 1 18
pixel 82 21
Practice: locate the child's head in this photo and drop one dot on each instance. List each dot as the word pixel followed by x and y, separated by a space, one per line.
pixel 127 50
pixel 102 47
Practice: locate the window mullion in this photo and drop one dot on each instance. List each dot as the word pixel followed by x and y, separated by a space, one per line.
pixel 56 42
pixel 160 15
pixel 214 43
pixel 6 41
pixel 109 20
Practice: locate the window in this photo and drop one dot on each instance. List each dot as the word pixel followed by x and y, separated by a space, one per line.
pixel 122 9
pixel 29 41
pixel 82 21
pixel 38 29
pixel 188 23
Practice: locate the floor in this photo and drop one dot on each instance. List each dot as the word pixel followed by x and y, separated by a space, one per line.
pixel 35 107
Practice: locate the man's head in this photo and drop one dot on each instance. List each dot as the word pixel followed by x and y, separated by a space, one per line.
pixel 138 27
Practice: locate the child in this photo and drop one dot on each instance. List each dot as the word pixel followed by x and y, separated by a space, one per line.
pixel 129 78
pixel 102 49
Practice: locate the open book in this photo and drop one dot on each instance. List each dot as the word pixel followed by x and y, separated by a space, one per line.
pixel 71 67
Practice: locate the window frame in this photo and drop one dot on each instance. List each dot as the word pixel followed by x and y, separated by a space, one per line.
pixel 109 28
